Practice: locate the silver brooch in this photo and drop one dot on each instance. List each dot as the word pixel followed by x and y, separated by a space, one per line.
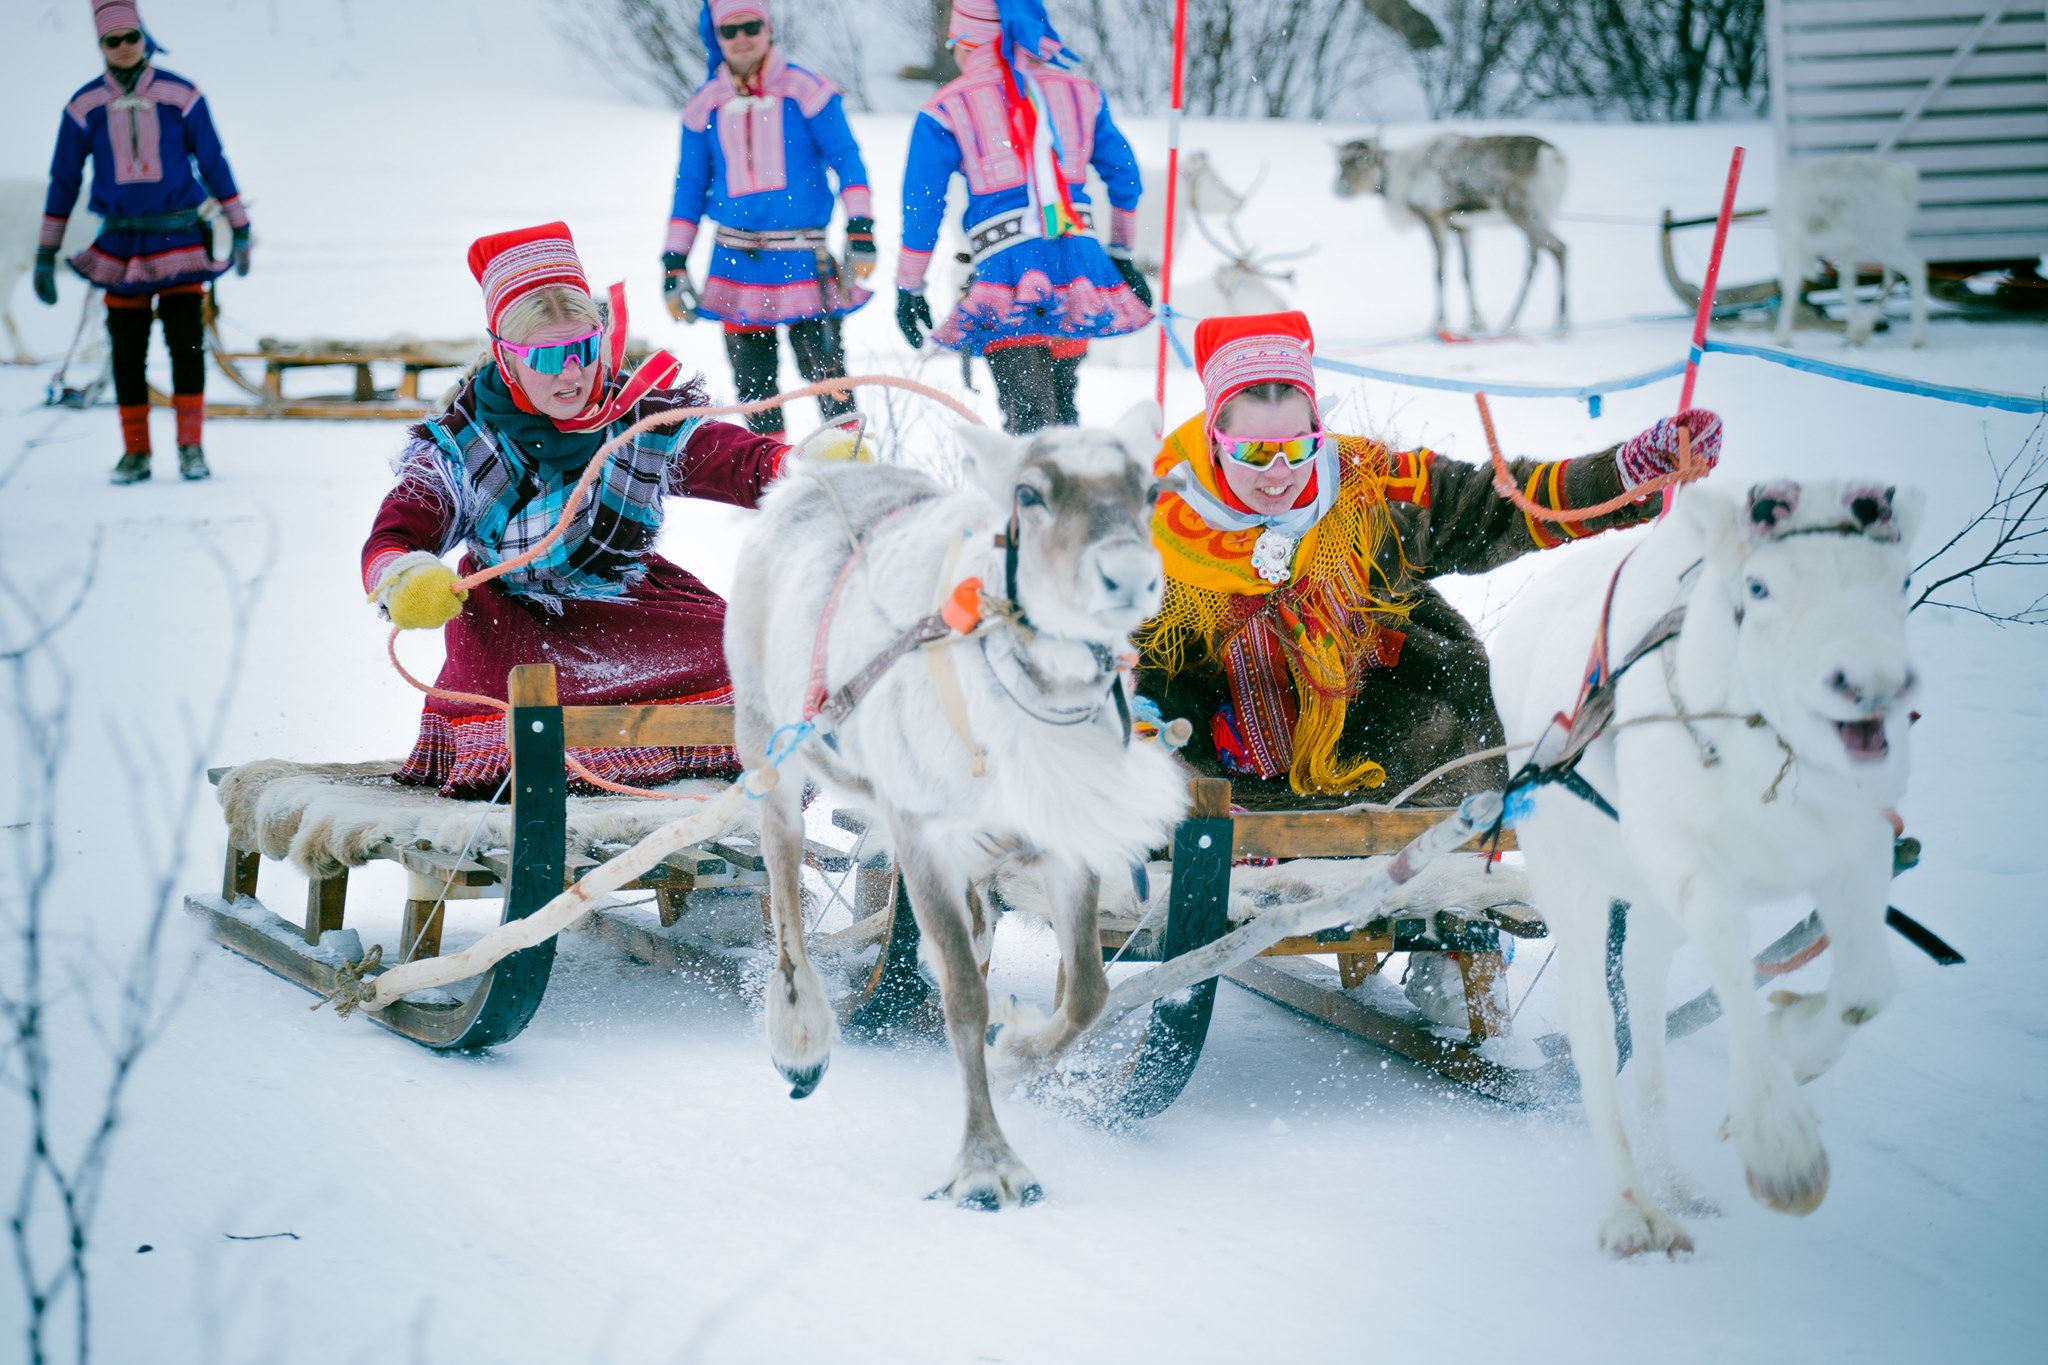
pixel 1273 555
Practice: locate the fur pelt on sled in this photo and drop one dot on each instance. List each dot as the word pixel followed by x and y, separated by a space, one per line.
pixel 326 817
pixel 1456 881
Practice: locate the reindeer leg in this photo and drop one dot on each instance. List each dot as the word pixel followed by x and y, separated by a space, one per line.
pixel 1071 895
pixel 1811 1032
pixel 1436 240
pixel 1478 324
pixel 1774 1128
pixel 17 349
pixel 1792 263
pixel 801 1022
pixel 986 1174
pixel 1646 971
pixel 1528 278
pixel 1915 271
pixel 1555 245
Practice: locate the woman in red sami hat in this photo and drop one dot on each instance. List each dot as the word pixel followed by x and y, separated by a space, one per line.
pixel 492 473
pixel 1299 632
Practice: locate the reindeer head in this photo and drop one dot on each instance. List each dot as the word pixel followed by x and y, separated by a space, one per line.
pixel 1361 168
pixel 1080 503
pixel 1813 575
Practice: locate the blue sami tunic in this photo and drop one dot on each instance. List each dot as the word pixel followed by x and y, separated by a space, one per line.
pixel 1062 288
pixel 154 154
pixel 757 163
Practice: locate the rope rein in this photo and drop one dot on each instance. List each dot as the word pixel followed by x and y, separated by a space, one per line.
pixel 1689 470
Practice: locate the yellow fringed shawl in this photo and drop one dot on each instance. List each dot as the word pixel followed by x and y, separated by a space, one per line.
pixel 1323 627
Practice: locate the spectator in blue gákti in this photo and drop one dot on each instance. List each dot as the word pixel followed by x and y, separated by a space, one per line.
pixel 1022 132
pixel 155 161
pixel 758 139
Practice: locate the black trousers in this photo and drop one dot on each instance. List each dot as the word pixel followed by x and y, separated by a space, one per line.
pixel 1033 389
pixel 184 334
pixel 755 360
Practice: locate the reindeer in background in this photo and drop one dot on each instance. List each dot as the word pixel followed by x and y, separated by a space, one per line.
pixel 1453 183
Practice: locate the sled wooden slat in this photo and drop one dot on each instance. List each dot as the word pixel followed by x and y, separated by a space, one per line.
pixel 683 727
pixel 1331 834
pixel 443 867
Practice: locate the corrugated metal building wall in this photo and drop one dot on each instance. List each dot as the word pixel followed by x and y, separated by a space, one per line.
pixel 1957 87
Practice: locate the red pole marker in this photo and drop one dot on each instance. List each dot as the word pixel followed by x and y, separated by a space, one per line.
pixel 1180 64
pixel 1700 318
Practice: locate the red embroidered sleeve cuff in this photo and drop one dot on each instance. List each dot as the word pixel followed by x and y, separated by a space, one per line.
pixel 237 216
pixel 911 267
pixel 374 566
pixel 857 200
pixel 682 235
pixel 52 233
pixel 1123 228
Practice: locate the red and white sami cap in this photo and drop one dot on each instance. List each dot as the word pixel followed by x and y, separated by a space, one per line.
pixel 115 16
pixel 975 22
pixel 727 11
pixel 511 265
pixel 1232 354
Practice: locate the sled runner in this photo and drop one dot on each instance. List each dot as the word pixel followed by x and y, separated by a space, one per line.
pixel 328 818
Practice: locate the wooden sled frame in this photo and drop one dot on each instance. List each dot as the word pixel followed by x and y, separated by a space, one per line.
pixel 1206 845
pixel 534 871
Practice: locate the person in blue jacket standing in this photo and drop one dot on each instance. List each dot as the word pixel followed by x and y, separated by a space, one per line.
pixel 758 139
pixel 1022 131
pixel 155 159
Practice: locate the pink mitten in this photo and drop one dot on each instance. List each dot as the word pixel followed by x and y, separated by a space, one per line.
pixel 1655 451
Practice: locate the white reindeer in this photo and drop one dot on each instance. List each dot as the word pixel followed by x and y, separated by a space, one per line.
pixel 1033 767
pixel 1452 183
pixel 1752 758
pixel 1842 210
pixel 21 222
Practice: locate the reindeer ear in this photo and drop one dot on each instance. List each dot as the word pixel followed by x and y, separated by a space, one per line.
pixel 1719 523
pixel 991 458
pixel 1908 507
pixel 1769 508
pixel 1138 429
pixel 1872 510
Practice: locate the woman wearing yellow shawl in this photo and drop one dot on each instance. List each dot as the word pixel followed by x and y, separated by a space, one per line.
pixel 1299 633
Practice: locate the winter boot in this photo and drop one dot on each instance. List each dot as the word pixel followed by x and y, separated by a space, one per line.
pixel 192 463
pixel 132 467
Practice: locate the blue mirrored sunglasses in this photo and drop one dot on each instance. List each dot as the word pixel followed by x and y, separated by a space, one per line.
pixel 553 357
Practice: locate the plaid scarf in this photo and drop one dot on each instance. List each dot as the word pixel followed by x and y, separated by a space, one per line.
pixel 512 503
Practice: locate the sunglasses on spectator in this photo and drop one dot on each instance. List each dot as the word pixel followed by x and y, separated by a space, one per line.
pixel 1294 452
pixel 553 357
pixel 750 27
pixel 112 41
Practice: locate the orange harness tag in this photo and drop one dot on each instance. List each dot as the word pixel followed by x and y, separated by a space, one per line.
pixel 962 612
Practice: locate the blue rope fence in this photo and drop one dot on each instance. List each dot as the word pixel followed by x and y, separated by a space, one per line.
pixel 1591 394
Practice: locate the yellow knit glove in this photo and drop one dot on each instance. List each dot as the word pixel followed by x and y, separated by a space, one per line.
pixel 418 592
pixel 836 445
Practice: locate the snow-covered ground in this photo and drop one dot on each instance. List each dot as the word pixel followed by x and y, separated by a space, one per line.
pixel 627 1181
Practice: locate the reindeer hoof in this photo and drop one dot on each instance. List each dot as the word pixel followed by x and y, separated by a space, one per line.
pixel 802 1080
pixel 1634 1228
pixel 990 1183
pixel 1857 1015
pixel 1797 1193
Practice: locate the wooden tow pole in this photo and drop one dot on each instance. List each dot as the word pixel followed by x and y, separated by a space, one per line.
pixel 1180 51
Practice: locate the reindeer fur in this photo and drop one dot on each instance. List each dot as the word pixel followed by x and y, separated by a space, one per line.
pixel 1842 210
pixel 1073 804
pixel 1451 183
pixel 21 221
pixel 1793 613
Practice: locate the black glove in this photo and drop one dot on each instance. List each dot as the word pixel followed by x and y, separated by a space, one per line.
pixel 860 248
pixel 46 275
pixel 1133 276
pixel 678 294
pixel 239 252
pixel 911 309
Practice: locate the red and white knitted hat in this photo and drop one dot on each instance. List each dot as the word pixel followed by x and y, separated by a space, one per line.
pixel 1232 354
pixel 511 265
pixel 731 11
pixel 977 22
pixel 115 16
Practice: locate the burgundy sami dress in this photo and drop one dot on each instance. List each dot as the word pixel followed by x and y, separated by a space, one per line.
pixel 660 642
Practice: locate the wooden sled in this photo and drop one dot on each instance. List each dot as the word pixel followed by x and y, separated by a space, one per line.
pixel 1204 849
pixel 2021 292
pixel 538 864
